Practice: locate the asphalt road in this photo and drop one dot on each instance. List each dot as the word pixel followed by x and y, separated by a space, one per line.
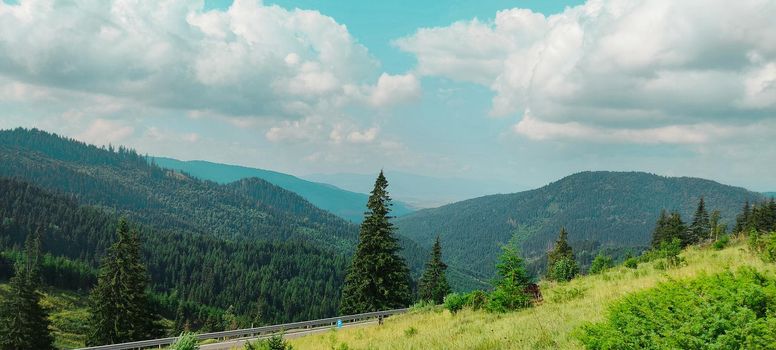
pixel 238 343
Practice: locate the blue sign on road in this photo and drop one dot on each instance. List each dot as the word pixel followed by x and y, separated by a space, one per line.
pixel 339 323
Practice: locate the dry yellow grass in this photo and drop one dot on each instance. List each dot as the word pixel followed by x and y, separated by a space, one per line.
pixel 550 325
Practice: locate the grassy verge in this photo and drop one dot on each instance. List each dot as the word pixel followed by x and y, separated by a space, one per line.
pixel 550 325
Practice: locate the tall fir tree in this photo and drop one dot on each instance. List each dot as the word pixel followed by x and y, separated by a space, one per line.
pixel 120 306
pixel 743 219
pixel 662 230
pixel 700 228
pixel 23 322
pixel 433 285
pixel 561 264
pixel 378 277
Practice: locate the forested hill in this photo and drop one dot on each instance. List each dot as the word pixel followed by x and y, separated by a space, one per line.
pixel 615 210
pixel 345 204
pixel 123 181
pixel 262 281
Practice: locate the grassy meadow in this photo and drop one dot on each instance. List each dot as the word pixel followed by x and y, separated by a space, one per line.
pixel 549 325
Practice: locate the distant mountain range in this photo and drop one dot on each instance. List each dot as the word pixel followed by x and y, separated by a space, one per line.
pixel 769 194
pixel 348 205
pixel 601 210
pixel 418 190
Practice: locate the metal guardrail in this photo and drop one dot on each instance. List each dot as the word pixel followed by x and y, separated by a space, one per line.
pixel 252 332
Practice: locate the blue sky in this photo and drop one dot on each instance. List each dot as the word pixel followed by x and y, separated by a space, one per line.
pixel 523 92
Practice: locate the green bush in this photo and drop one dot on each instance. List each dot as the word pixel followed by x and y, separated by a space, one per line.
pixel 562 295
pixel 186 341
pixel 721 243
pixel 507 299
pixel 476 299
pixel 564 270
pixel 275 342
pixel 631 263
pixel 410 332
pixel 455 302
pixel 601 263
pixel 724 311
pixel 764 245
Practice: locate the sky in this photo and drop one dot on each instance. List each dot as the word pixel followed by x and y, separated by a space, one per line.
pixel 522 92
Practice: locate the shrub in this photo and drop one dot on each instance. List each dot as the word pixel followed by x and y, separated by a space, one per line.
pixel 454 302
pixel 476 299
pixel 507 299
pixel 764 245
pixel 422 305
pixel 186 341
pixel 631 263
pixel 275 342
pixel 724 311
pixel 564 270
pixel 562 295
pixel 721 243
pixel 409 332
pixel 601 263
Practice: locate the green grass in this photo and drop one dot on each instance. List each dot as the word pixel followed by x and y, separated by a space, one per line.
pixel 551 325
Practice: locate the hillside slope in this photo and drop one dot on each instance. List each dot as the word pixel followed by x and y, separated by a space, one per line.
pixel 614 210
pixel 549 325
pixel 124 182
pixel 345 204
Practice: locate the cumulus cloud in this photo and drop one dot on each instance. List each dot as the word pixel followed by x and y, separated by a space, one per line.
pixel 395 89
pixel 104 131
pixel 669 71
pixel 249 60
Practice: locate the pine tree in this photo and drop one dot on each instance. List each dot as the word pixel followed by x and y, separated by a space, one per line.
pixel 120 306
pixel 23 322
pixel 743 219
pixel 561 264
pixel 433 284
pixel 662 229
pixel 676 229
pixel 378 278
pixel 511 283
pixel 700 229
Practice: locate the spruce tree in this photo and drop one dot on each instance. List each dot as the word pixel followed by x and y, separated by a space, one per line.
pixel 700 229
pixel 23 322
pixel 561 264
pixel 662 229
pixel 120 306
pixel 433 284
pixel 743 219
pixel 676 229
pixel 378 278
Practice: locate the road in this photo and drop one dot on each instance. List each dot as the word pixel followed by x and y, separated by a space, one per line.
pixel 238 343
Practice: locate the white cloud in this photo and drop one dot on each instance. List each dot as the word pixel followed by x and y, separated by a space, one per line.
pixel 395 89
pixel 365 136
pixel 103 132
pixel 660 70
pixel 251 60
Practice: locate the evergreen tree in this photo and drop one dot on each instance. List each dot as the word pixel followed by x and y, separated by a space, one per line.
pixel 676 229
pixel 512 280
pixel 378 278
pixel 120 306
pixel 700 229
pixel 561 264
pixel 23 322
pixel 743 219
pixel 433 284
pixel 662 229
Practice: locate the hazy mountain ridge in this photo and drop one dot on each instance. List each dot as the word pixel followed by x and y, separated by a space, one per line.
pixel 343 203
pixel 418 190
pixel 613 210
